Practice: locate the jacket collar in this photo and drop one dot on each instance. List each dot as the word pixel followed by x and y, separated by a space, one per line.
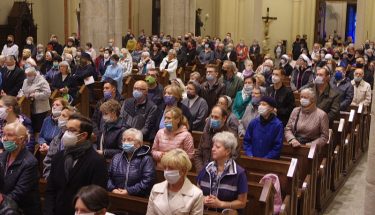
pixel 231 170
pixel 20 157
pixel 141 151
pixel 185 190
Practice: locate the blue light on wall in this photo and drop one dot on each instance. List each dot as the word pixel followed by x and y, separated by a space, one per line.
pixel 351 20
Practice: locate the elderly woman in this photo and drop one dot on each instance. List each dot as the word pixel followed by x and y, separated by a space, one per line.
pixel 64 82
pixel 115 72
pixel 307 124
pixel 175 195
pixel 264 135
pixel 50 126
pixel 36 88
pixel 197 105
pixel 91 199
pixel 126 61
pixel 169 64
pixel 251 111
pixel 110 134
pixel 10 112
pixel 55 145
pixel 145 64
pixel 20 169
pixel 223 181
pixel 132 171
pixel 243 97
pixel 175 134
pixel 172 98
pixel 232 122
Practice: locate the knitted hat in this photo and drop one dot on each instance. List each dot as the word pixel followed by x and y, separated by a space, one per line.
pixel 269 100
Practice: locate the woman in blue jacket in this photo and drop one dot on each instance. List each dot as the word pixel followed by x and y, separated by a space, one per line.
pixel 132 171
pixel 264 135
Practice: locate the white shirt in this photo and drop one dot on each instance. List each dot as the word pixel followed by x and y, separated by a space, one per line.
pixel 13 50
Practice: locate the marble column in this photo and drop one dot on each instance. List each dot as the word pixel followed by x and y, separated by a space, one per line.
pixel 100 21
pixel 177 17
pixel 365 21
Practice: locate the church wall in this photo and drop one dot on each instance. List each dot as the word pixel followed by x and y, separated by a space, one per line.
pixel 336 18
pixel 141 16
pixel 209 7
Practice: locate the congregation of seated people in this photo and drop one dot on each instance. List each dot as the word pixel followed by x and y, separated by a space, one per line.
pixel 127 138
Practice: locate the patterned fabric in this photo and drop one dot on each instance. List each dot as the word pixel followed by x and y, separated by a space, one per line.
pixel 215 177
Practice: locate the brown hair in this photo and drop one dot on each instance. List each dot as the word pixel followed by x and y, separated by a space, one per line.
pixel 63 101
pixel 11 101
pixel 212 66
pixel 111 106
pixel 176 91
pixel 177 114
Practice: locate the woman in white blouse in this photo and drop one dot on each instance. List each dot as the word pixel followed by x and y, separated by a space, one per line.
pixel 169 64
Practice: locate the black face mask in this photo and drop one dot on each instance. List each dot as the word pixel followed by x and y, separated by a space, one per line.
pixel 359 65
pixel 9 41
pixel 350 56
pixel 190 96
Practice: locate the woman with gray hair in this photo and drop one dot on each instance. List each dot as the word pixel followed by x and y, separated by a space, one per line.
pixel 64 82
pixel 169 64
pixel 37 89
pixel 132 171
pixel 145 64
pixel 223 181
pixel 307 124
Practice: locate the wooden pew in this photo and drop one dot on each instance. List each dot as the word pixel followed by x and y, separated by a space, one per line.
pixel 163 78
pixel 308 169
pixel 297 97
pixel 128 83
pixel 349 144
pixel 366 127
pixel 83 101
pixel 25 106
pixel 337 155
pixel 358 132
pixel 286 170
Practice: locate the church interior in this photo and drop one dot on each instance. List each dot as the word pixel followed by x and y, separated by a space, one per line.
pixel 330 178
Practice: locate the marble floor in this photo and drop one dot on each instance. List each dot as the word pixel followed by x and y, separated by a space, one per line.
pixel 349 200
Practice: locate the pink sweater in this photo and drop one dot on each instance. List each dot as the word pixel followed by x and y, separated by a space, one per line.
pixel 166 141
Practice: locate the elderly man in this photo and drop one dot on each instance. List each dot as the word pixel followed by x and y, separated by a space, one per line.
pixel 140 112
pixel 78 165
pixel 21 177
pixel 232 82
pixel 362 89
pixel 302 76
pixel 212 89
pixel 328 99
pixel 342 84
pixel 12 77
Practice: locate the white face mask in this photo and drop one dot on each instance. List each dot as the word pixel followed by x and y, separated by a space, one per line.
pixel 69 139
pixel 262 110
pixel 92 213
pixel 11 68
pixel 3 113
pixel 319 80
pixel 305 102
pixel 275 79
pixel 172 176
pixel 61 123
pixel 56 111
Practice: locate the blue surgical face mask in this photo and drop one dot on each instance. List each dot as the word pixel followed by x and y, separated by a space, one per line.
pixel 169 100
pixel 107 95
pixel 128 146
pixel 137 94
pixel 255 101
pixel 338 76
pixel 9 146
pixel 210 77
pixel 215 123
pixel 168 126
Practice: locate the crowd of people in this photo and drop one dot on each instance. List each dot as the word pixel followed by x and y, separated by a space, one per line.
pixel 152 130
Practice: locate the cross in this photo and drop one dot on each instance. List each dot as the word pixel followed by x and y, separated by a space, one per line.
pixel 268 18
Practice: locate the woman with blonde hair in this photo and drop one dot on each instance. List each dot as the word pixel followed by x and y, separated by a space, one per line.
pixel 175 195
pixel 175 134
pixel 173 98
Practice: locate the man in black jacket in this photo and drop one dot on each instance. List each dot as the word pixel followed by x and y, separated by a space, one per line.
pixel 12 77
pixel 140 112
pixel 78 165
pixel 284 96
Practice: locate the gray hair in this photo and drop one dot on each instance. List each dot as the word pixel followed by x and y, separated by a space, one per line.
pixel 30 69
pixel 172 51
pixel 231 64
pixel 65 63
pixel 145 54
pixel 312 93
pixel 137 133
pixel 228 140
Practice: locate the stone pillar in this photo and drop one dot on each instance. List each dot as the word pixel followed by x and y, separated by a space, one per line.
pixel 177 17
pixel 101 20
pixel 365 18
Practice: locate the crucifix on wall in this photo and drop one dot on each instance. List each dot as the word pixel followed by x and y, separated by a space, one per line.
pixel 267 20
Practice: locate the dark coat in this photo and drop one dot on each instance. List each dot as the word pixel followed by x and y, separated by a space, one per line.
pixel 83 72
pixel 212 94
pixel 284 102
pixel 12 81
pixel 112 138
pixel 329 102
pixel 232 56
pixel 9 207
pixel 143 117
pixel 21 181
pixel 181 58
pixel 137 176
pixel 346 90
pixel 89 169
pixel 69 82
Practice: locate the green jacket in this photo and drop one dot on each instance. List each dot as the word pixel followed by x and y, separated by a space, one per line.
pixel 239 105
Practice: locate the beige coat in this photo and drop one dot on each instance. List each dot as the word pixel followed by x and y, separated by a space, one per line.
pixel 40 87
pixel 189 200
pixel 362 93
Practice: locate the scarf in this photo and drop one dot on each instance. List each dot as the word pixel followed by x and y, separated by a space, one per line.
pixel 73 153
pixel 215 177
